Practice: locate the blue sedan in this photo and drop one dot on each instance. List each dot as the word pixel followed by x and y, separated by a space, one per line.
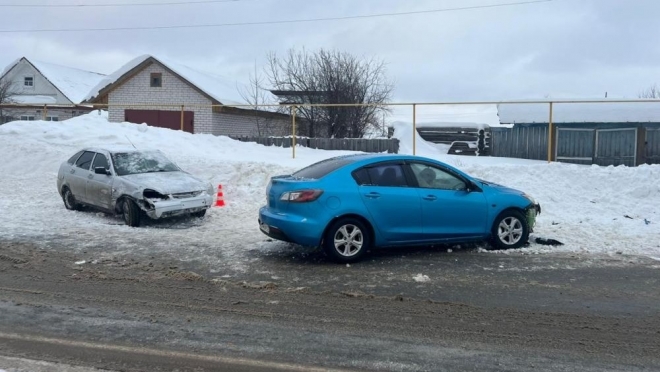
pixel 349 204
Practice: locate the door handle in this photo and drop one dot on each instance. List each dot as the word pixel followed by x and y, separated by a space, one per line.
pixel 373 195
pixel 72 171
pixel 90 176
pixel 430 197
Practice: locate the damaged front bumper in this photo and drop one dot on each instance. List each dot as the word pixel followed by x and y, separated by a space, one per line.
pixel 174 207
pixel 531 212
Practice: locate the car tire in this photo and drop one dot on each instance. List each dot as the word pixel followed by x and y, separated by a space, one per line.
pixel 199 214
pixel 131 213
pixel 347 240
pixel 69 200
pixel 510 230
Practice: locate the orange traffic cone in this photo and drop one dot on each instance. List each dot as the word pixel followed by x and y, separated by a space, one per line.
pixel 220 201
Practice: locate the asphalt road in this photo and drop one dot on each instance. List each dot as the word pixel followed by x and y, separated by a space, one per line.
pixel 401 310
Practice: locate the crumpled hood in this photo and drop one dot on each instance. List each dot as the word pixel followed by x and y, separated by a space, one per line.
pixel 167 182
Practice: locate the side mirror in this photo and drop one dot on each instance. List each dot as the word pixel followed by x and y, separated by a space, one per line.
pixel 470 187
pixel 102 170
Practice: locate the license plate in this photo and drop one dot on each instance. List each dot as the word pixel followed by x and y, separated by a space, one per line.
pixel 264 228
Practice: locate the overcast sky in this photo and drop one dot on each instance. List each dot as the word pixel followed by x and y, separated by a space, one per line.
pixel 560 48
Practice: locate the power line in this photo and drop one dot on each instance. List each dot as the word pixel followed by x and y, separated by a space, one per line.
pixel 116 4
pixel 282 21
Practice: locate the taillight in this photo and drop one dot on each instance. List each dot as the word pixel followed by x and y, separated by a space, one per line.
pixel 301 196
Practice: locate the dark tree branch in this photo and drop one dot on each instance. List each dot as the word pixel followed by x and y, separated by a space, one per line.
pixel 7 92
pixel 343 79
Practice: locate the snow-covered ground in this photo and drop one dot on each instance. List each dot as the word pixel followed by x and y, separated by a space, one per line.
pixel 593 210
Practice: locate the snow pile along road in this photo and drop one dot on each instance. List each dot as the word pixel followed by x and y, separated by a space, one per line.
pixel 594 210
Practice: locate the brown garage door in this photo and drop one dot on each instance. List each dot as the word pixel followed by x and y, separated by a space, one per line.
pixel 162 119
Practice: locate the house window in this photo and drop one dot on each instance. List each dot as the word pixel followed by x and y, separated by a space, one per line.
pixel 28 81
pixel 52 118
pixel 156 80
pixel 27 117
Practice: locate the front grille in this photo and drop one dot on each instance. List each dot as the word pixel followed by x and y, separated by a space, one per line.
pixel 185 195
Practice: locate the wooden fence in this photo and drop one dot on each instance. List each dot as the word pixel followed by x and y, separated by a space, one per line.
pixel 377 145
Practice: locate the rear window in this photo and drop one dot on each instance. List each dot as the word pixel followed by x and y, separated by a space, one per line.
pixel 322 168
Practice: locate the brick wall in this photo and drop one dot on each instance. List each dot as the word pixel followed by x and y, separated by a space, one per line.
pixel 137 90
pixel 246 125
pixel 61 114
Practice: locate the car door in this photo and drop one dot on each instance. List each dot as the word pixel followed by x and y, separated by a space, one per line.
pixel 99 186
pixel 78 175
pixel 449 209
pixel 393 205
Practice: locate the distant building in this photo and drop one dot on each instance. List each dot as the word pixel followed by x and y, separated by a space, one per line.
pixel 36 84
pixel 157 81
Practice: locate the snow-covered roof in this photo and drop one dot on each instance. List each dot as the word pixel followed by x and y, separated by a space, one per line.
pixel 606 112
pixel 446 115
pixel 74 83
pixel 220 89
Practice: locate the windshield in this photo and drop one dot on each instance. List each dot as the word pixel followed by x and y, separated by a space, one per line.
pixel 142 162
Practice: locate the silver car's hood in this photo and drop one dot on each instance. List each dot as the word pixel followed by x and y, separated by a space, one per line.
pixel 166 182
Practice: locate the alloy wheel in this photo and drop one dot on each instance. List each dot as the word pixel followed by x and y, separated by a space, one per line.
pixel 348 240
pixel 510 231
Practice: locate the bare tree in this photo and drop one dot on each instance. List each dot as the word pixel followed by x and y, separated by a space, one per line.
pixel 6 93
pixel 332 77
pixel 652 92
pixel 255 94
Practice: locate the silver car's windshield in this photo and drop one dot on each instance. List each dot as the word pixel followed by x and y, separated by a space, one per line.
pixel 142 162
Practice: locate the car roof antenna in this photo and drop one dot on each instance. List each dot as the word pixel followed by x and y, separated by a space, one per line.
pixel 129 140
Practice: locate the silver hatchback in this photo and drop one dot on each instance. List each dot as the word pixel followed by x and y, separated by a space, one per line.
pixel 132 183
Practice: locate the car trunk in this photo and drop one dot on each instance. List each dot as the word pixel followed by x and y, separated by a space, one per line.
pixel 281 184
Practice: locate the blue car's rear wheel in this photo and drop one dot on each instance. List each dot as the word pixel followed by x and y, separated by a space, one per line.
pixel 510 230
pixel 347 240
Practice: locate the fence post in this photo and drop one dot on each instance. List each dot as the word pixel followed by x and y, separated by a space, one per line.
pixel 44 113
pixel 182 118
pixel 293 122
pixel 550 135
pixel 414 127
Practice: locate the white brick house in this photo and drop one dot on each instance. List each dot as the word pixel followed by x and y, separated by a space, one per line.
pixel 151 82
pixel 35 85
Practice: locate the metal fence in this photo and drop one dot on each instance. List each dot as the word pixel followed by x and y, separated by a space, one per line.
pixel 603 144
pixel 525 142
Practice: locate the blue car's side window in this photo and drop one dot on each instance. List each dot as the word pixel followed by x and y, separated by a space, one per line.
pixel 436 178
pixel 361 176
pixel 390 175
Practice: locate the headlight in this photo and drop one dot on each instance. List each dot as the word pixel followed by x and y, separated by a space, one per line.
pixel 210 190
pixel 528 197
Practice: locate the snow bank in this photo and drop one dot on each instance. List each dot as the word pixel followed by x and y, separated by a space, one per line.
pixel 596 112
pixel 584 207
pixel 425 114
